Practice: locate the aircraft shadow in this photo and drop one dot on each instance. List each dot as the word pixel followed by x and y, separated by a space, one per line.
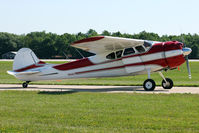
pixel 55 92
pixel 58 91
pixel 15 88
pixel 76 90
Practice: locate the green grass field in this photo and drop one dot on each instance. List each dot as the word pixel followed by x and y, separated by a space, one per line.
pixel 180 78
pixel 23 111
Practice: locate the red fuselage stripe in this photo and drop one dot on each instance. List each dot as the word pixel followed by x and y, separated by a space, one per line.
pixel 39 64
pixel 28 67
pixel 160 62
pixel 74 65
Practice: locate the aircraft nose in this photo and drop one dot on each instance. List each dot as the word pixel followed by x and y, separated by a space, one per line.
pixel 186 51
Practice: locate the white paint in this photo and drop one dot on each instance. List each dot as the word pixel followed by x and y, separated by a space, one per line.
pixel 97 70
pixel 25 57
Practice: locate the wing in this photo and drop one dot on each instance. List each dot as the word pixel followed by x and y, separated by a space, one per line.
pixel 102 44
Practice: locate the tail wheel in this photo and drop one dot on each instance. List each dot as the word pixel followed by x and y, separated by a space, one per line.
pixel 167 85
pixel 24 85
pixel 149 85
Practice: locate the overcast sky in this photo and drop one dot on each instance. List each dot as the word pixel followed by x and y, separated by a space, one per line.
pixel 171 17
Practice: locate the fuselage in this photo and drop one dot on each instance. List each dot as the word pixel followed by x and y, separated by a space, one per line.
pixel 160 56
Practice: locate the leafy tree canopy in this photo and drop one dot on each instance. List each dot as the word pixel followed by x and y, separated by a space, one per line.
pixel 50 45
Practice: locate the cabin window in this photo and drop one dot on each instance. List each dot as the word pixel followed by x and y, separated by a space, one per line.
pixel 119 53
pixel 111 56
pixel 129 51
pixel 140 49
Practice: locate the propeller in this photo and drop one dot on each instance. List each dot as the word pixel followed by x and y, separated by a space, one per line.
pixel 188 68
pixel 186 52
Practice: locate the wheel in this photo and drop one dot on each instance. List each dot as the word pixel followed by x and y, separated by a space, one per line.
pixel 169 84
pixel 25 85
pixel 149 85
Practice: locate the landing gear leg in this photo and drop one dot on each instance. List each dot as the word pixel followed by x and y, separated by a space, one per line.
pixel 149 84
pixel 167 83
pixel 25 84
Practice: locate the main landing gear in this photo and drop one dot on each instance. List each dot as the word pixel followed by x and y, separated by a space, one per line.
pixel 25 84
pixel 149 84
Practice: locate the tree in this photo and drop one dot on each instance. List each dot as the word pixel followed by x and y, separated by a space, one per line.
pixel 194 53
pixel 8 42
pixel 106 33
pixel 47 45
pixel 91 33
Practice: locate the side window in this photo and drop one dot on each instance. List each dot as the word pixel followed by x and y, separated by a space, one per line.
pixel 129 51
pixel 111 56
pixel 140 49
pixel 119 53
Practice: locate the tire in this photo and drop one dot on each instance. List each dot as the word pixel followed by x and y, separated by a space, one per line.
pixel 169 85
pixel 25 85
pixel 149 85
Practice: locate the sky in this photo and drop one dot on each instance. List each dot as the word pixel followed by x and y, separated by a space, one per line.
pixel 171 17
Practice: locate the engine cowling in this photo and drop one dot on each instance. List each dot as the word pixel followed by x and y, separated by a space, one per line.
pixel 173 54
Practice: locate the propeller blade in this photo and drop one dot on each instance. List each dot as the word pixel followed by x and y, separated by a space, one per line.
pixel 188 68
pixel 183 41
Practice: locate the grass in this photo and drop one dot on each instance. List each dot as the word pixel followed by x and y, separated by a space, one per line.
pixel 180 78
pixel 22 111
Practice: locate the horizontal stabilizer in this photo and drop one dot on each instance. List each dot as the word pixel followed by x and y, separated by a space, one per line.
pixel 22 73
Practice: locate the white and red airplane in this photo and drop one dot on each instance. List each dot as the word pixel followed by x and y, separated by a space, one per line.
pixel 114 57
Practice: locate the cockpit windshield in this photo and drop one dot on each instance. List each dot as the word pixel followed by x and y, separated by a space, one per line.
pixel 148 44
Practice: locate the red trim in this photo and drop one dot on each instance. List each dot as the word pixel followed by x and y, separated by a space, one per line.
pixel 41 62
pixel 91 39
pixel 175 61
pixel 158 47
pixel 103 69
pixel 172 45
pixel 73 65
pixel 160 62
pixel 28 67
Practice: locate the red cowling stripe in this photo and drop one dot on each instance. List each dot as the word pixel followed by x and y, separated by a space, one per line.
pixel 175 61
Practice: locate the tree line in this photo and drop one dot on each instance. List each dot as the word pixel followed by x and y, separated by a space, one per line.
pixel 50 45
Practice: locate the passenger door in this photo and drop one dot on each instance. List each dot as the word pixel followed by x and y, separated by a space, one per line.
pixel 132 63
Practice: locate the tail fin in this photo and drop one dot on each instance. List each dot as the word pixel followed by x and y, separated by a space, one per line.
pixel 25 57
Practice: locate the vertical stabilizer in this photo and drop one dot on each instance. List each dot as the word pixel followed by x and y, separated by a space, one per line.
pixel 25 57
